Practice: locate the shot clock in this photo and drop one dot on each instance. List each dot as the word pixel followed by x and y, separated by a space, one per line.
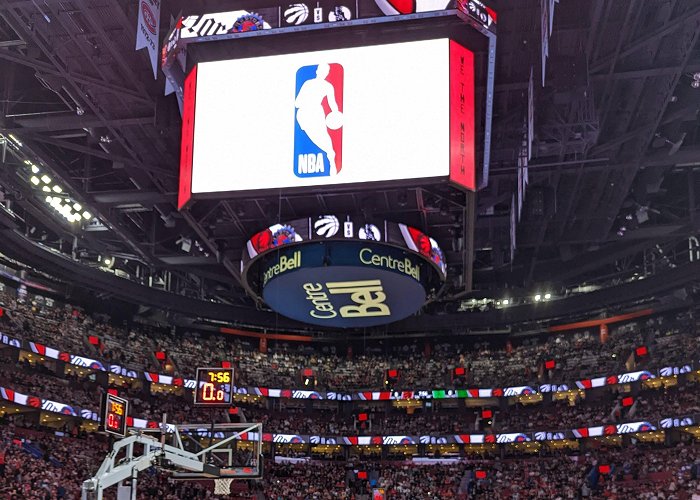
pixel 116 410
pixel 214 387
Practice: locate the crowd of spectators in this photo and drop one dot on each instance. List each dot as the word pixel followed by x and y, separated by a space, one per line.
pixel 39 465
pixel 649 405
pixel 671 340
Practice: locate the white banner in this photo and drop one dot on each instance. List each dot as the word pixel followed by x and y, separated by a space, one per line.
pixel 147 30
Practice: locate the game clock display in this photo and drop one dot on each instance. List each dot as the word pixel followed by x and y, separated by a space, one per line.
pixel 114 416
pixel 214 387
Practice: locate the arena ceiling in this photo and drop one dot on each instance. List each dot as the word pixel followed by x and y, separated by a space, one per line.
pixel 613 178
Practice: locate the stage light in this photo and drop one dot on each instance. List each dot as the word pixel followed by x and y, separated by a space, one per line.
pixel 49 199
pixel 506 302
pixel 547 296
pixel 35 169
pixel 538 297
pixel 46 189
pixel 57 189
pixel 87 215
pixel 34 180
pixel 46 179
pixel 695 84
pixel 107 261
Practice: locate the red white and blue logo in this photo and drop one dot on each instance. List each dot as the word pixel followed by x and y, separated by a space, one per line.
pixel 318 121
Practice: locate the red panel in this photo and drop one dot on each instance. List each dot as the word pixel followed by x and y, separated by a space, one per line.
pixel 462 154
pixel 486 414
pixel 628 401
pixel 308 372
pixel 225 364
pixel 233 411
pixel 459 371
pixel 392 373
pixel 362 417
pixel 362 475
pixel 160 355
pixel 113 392
pixel 550 364
pixel 187 141
pixel 93 340
pixel 642 351
pixel 481 474
pixel 604 469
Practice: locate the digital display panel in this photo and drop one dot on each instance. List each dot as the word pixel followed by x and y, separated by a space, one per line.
pixel 214 387
pixel 341 116
pixel 116 410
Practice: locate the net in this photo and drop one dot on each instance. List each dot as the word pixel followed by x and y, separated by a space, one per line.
pixel 222 486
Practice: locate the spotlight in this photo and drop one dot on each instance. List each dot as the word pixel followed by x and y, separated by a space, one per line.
pixel 34 180
pixel 506 302
pixel 87 215
pixel 46 179
pixel 538 297
pixel 547 296
pixel 57 189
pixel 35 169
pixel 695 84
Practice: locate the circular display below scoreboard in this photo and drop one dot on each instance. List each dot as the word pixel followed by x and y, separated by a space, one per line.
pixel 343 283
pixel 344 296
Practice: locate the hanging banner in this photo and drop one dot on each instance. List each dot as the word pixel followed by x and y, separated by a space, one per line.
pixel 147 30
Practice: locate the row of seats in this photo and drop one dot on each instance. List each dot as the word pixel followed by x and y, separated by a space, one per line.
pixel 57 469
pixel 671 340
pixel 649 405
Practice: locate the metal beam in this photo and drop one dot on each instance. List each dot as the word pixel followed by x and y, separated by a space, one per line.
pixel 71 121
pixel 641 73
pixel 43 67
pixel 98 153
pixel 641 41
pixel 128 197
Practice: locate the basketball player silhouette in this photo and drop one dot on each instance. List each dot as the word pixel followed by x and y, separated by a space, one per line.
pixel 312 117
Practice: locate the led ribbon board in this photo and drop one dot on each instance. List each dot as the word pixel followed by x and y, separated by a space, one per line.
pixel 381 113
pixel 343 273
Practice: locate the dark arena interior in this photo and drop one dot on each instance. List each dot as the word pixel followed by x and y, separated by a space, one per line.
pixel 362 249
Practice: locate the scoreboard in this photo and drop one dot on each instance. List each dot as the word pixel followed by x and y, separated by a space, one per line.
pixel 214 387
pixel 114 415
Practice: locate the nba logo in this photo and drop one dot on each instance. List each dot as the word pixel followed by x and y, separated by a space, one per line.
pixel 318 121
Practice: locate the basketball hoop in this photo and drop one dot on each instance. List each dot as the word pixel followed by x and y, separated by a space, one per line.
pixel 222 486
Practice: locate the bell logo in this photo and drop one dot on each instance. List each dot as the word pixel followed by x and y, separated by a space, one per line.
pixel 368 297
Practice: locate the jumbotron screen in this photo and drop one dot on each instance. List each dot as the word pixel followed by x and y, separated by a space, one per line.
pixel 388 112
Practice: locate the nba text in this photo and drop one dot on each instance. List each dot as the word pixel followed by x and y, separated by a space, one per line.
pixel 310 164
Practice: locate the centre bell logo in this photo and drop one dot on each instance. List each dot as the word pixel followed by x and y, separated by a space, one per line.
pixel 318 121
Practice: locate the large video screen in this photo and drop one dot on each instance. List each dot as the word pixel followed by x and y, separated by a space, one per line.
pixel 342 116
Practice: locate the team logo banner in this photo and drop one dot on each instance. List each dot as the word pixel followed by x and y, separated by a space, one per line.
pixel 147 30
